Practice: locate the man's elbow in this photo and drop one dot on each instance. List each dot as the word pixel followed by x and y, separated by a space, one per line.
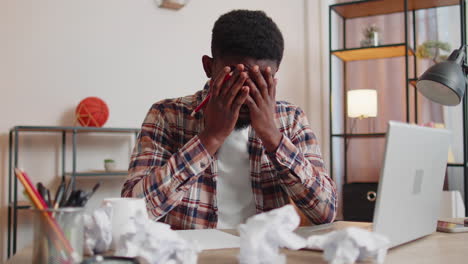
pixel 127 190
pixel 327 214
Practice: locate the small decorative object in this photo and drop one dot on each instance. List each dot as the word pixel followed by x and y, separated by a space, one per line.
pixel 109 165
pixel 92 112
pixel 371 36
pixel 431 50
pixel 171 4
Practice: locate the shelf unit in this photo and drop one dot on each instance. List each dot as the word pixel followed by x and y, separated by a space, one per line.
pixel 365 8
pixel 13 204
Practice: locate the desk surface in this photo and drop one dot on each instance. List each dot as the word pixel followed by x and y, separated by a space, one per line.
pixel 436 248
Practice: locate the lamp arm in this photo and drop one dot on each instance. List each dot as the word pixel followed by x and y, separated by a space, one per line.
pixel 458 56
pixel 464 64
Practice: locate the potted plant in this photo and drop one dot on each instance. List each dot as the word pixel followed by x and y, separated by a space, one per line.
pixel 109 164
pixel 371 36
pixel 431 50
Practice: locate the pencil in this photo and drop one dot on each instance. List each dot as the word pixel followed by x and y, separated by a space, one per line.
pixel 207 98
pixel 201 105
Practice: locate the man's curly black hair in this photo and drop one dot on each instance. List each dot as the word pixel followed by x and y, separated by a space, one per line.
pixel 247 33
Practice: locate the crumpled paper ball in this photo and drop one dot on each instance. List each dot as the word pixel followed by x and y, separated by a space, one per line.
pixel 262 235
pixel 350 244
pixel 98 231
pixel 155 243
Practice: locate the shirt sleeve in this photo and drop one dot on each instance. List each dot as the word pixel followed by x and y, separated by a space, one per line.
pixel 157 172
pixel 302 172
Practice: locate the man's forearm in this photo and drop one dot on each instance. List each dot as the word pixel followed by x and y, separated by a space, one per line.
pixel 305 181
pixel 163 186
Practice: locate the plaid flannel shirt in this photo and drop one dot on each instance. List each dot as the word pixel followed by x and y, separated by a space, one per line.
pixel 171 169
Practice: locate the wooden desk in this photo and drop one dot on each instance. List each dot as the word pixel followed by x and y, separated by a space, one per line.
pixel 436 248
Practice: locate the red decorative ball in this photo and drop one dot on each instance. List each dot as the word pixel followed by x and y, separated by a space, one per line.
pixel 92 112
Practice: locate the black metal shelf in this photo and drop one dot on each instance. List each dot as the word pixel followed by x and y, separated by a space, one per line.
pixel 363 8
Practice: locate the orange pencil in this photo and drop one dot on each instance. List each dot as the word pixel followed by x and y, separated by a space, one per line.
pixel 33 189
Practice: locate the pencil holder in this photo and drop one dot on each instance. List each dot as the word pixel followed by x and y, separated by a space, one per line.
pixel 58 235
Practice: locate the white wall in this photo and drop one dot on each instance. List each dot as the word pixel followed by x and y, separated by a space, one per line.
pixel 53 53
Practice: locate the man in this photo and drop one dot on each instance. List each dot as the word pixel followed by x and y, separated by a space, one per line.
pixel 244 153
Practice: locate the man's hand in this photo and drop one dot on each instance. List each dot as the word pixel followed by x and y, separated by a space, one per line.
pixel 261 102
pixel 222 111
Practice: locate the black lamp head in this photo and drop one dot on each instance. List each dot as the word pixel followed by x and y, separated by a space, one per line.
pixel 444 82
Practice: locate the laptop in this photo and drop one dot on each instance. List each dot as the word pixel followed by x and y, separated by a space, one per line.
pixel 410 185
pixel 411 182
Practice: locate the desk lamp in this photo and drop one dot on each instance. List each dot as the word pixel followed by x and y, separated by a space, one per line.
pixel 362 103
pixel 444 82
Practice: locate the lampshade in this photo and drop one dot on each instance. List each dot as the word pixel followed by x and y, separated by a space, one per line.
pixel 362 103
pixel 444 82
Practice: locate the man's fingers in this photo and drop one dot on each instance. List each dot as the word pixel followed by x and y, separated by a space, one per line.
pixel 271 83
pixel 240 100
pixel 262 85
pixel 234 90
pixel 254 92
pixel 250 102
pixel 274 90
pixel 228 82
pixel 218 81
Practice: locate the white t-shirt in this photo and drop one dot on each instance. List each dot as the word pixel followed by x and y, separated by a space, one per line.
pixel 234 185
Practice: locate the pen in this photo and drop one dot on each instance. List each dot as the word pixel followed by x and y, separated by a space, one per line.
pixel 74 195
pixel 88 195
pixel 42 192
pixel 49 199
pixel 65 194
pixel 59 195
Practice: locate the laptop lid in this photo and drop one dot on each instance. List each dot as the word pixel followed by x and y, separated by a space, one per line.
pixel 411 182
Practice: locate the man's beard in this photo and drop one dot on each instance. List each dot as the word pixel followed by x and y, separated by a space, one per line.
pixel 242 122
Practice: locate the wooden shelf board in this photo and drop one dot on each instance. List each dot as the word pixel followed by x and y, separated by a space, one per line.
pixel 357 9
pixel 21 204
pixel 413 82
pixel 372 53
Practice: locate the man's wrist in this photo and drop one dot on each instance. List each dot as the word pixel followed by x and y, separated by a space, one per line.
pixel 272 140
pixel 211 143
